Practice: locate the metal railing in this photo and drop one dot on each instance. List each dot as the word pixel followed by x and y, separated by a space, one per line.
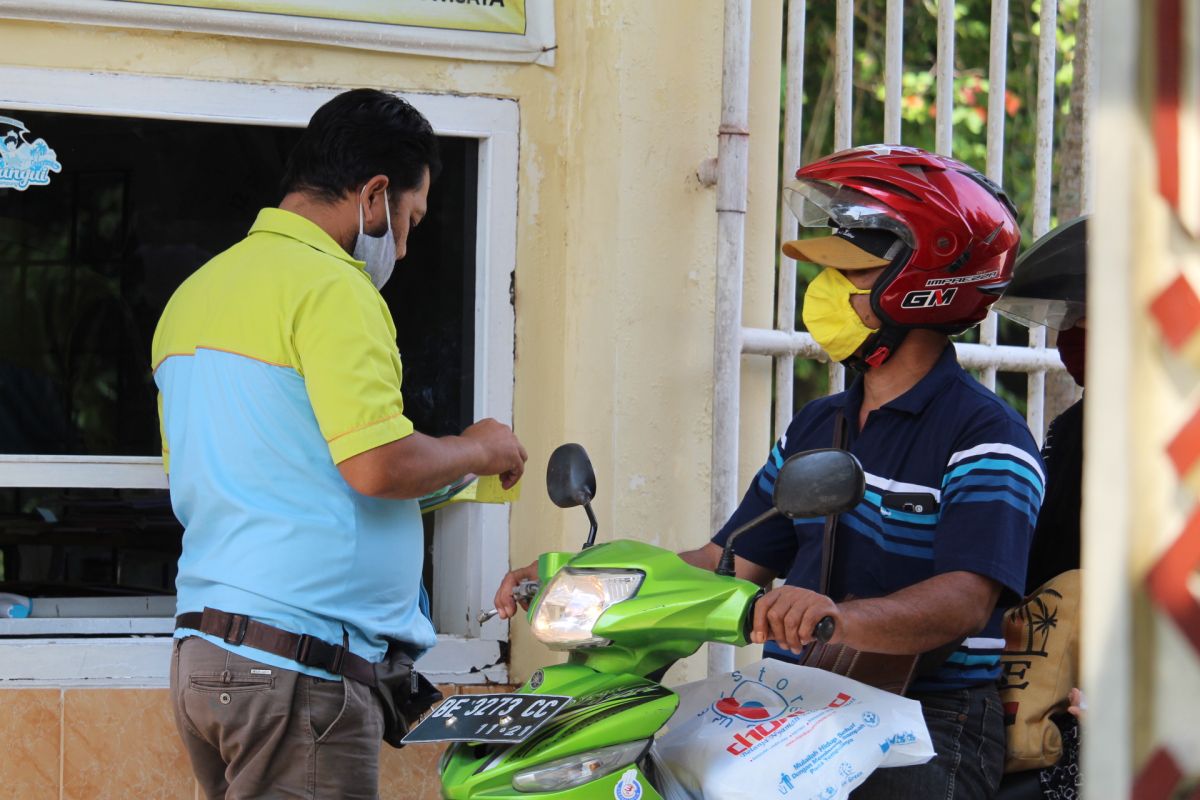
pixel 783 343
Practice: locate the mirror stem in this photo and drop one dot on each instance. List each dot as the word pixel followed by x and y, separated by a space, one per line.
pixel 726 565
pixel 591 540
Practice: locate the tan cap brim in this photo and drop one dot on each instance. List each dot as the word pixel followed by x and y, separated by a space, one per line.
pixel 832 251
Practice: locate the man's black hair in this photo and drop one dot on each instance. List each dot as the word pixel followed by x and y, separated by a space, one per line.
pixel 357 135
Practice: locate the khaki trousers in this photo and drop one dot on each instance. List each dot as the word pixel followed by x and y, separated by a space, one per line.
pixel 257 731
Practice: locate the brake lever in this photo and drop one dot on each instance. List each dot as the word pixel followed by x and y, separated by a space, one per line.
pixel 525 590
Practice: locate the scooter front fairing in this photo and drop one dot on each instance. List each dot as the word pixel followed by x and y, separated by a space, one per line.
pixel 608 710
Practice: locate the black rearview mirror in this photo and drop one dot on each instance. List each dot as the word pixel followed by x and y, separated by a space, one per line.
pixel 814 483
pixel 817 483
pixel 569 477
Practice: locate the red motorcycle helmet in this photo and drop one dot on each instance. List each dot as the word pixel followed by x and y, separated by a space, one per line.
pixel 946 236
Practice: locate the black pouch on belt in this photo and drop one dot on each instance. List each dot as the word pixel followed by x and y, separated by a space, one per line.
pixel 404 693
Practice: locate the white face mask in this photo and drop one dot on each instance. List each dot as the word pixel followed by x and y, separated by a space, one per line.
pixel 379 252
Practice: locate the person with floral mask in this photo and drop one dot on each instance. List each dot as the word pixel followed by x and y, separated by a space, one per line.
pixel 295 471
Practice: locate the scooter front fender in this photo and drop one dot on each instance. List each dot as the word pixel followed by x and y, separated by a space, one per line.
pixel 606 710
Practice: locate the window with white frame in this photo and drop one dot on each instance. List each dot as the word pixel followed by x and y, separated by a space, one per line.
pixel 141 181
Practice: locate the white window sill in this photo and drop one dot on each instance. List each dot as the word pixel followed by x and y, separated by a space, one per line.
pixel 146 662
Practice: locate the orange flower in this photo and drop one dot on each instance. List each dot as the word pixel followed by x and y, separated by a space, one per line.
pixel 1012 103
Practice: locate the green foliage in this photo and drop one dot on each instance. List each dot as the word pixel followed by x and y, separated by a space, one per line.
pixel 972 88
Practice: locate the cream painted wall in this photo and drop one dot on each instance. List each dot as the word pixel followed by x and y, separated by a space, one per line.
pixel 616 237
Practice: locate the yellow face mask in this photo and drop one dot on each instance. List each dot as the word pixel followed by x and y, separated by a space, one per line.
pixel 830 318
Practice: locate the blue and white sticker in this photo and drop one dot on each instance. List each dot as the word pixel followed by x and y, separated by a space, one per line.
pixel 24 163
pixel 628 788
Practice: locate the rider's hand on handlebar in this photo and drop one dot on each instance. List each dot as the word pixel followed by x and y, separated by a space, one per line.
pixel 506 604
pixel 789 615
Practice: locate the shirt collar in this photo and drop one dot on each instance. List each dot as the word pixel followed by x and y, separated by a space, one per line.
pixel 303 230
pixel 915 399
pixel 851 398
pixel 918 397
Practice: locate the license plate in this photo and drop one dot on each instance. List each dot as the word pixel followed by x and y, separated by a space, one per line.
pixel 492 718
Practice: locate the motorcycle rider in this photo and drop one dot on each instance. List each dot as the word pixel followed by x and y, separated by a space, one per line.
pixel 921 246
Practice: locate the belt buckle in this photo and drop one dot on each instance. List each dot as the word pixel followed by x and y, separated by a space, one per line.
pixel 304 649
pixel 235 634
pixel 339 654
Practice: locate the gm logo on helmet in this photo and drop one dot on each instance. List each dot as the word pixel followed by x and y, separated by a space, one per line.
pixel 929 298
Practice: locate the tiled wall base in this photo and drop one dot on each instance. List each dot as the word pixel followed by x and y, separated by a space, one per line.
pixel 116 744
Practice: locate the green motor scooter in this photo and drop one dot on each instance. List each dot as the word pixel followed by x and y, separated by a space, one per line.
pixel 625 611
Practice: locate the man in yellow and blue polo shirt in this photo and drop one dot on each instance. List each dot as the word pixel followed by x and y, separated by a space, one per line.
pixel 294 470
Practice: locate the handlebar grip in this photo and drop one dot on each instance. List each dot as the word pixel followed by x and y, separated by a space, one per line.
pixel 824 630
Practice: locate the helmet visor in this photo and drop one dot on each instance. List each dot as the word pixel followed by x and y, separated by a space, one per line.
pixel 1049 285
pixel 1057 314
pixel 821 204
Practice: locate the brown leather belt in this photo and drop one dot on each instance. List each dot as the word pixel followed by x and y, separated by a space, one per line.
pixel 311 652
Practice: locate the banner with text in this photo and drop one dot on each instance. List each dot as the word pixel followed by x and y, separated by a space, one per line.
pixel 489 30
pixel 484 16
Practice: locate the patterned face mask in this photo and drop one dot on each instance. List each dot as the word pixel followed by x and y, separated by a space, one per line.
pixel 830 318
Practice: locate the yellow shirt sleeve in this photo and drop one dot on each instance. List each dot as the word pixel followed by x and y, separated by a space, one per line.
pixel 345 344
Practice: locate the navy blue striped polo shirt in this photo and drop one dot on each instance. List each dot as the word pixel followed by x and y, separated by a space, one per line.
pixel 954 482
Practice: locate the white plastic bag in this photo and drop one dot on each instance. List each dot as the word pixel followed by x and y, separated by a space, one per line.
pixel 775 729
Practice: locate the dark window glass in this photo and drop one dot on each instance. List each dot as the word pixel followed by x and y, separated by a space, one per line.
pixel 87 542
pixel 87 264
pixel 432 298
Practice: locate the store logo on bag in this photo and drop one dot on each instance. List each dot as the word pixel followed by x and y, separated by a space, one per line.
pixel 24 163
pixel 747 740
pixel 628 788
pixel 754 701
pixel 752 710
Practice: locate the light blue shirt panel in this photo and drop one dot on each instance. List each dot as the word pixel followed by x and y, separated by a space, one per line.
pixel 271 528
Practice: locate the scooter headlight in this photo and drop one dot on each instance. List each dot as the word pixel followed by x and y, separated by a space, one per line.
pixel 573 602
pixel 572 771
